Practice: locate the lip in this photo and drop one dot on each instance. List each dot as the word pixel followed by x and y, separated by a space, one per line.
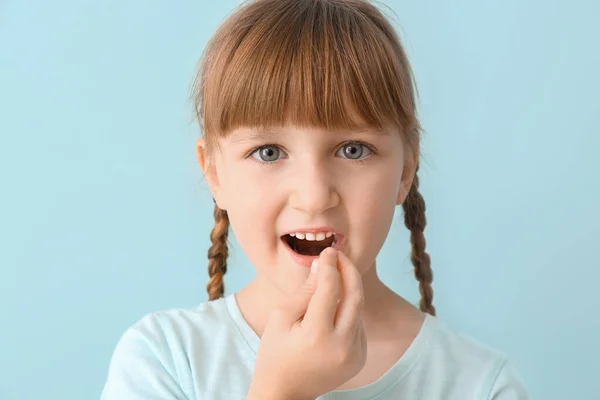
pixel 306 261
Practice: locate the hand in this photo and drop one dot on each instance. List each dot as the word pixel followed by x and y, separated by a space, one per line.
pixel 311 344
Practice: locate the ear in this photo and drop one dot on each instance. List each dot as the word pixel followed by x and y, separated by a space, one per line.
pixel 411 160
pixel 209 169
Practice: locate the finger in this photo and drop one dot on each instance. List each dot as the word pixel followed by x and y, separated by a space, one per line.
pixel 295 307
pixel 322 307
pixel 352 301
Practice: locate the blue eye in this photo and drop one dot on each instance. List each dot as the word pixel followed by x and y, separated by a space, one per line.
pixel 354 151
pixel 267 154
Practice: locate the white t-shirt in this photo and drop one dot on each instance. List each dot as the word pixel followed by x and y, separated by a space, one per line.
pixel 208 353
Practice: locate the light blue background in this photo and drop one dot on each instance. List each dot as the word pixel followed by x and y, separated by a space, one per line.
pixel 104 215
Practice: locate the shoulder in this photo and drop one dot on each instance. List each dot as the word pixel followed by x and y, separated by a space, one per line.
pixel 167 331
pixel 152 356
pixel 181 324
pixel 461 346
pixel 484 369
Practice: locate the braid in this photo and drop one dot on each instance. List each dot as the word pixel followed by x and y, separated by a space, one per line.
pixel 415 221
pixel 217 255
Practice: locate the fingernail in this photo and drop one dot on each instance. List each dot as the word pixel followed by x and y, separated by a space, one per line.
pixel 328 250
pixel 314 266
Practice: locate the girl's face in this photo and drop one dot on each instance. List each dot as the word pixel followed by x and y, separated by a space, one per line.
pixel 282 184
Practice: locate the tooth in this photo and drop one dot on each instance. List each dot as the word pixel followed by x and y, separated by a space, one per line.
pixel 320 236
pixel 328 234
pixel 292 234
pixel 300 236
pixel 310 236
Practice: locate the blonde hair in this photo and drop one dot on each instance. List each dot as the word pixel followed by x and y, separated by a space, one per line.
pixel 334 64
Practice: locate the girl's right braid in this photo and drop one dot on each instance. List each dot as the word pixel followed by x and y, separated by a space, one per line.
pixel 415 221
pixel 217 255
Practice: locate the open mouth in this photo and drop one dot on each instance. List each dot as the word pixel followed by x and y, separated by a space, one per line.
pixel 310 244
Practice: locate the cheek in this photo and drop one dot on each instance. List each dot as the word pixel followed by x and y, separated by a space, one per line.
pixel 252 212
pixel 371 215
pixel 372 227
pixel 254 234
pixel 247 194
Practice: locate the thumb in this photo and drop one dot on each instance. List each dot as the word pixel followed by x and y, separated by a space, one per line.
pixel 298 303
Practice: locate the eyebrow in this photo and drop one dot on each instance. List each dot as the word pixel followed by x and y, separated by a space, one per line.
pixel 270 135
pixel 255 134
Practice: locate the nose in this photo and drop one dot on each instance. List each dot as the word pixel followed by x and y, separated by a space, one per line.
pixel 313 189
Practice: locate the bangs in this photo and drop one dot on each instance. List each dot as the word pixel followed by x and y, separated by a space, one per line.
pixel 321 63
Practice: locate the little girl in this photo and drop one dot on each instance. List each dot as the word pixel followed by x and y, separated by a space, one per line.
pixel 310 141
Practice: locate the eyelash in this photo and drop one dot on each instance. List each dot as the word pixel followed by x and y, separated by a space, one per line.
pixel 360 161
